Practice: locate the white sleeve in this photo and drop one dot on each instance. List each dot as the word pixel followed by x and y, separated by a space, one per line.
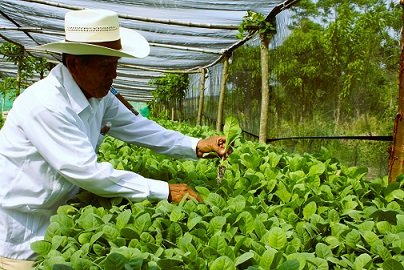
pixel 67 149
pixel 143 132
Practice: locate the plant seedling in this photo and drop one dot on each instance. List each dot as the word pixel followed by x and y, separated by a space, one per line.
pixel 232 131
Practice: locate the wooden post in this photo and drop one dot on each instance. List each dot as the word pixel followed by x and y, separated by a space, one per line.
pixel 263 133
pixel 220 111
pixel 201 97
pixel 396 161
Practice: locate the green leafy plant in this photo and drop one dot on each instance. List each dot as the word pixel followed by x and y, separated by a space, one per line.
pixel 255 20
pixel 272 210
pixel 169 93
pixel 232 131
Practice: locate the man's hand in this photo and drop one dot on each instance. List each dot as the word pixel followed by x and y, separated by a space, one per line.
pixel 178 191
pixel 212 144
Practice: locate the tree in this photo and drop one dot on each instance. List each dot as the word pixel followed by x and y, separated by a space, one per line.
pixel 27 65
pixel 334 63
pixel 266 29
pixel 170 92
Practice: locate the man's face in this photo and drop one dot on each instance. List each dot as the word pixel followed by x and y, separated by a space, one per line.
pixel 93 74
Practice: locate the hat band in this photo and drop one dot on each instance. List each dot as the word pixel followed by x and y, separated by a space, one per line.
pixel 116 45
pixel 91 28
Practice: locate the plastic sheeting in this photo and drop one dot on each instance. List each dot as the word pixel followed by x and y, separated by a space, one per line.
pixel 184 35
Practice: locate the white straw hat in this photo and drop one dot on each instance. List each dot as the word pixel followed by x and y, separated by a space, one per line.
pixel 90 31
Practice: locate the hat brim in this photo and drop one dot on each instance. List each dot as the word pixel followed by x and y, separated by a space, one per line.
pixel 133 44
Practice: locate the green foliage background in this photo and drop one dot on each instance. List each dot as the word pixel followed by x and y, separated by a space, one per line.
pixel 335 73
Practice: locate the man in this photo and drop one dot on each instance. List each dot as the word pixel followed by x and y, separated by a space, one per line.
pixel 48 142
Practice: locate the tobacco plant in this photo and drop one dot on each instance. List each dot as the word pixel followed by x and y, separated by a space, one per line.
pixel 272 210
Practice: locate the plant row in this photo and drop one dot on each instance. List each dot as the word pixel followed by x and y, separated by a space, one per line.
pixel 271 210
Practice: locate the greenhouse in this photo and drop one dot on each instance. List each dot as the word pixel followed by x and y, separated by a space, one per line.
pixel 278 143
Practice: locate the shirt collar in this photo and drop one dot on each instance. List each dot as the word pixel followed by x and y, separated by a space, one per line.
pixel 77 99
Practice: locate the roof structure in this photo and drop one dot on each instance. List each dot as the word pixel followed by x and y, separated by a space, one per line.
pixel 185 35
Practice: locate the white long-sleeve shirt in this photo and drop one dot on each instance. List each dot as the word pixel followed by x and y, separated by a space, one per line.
pixel 47 153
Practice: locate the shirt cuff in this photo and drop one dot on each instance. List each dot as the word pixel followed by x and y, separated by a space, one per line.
pixel 194 143
pixel 159 190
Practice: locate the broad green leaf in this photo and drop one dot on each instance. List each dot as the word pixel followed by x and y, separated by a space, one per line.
pixel 169 263
pixel 146 237
pixel 52 230
pixel 222 263
pixel 274 159
pixel 209 253
pixel 89 221
pixel 289 265
pixel 400 223
pixel 245 222
pixel 237 204
pixel 123 219
pixel 134 264
pixel 51 262
pixel 216 200
pixel 58 241
pixel 66 210
pixel 99 249
pixel 85 248
pixel 283 194
pixel 333 216
pixel 114 261
pixel 259 228
pixel 300 257
pixel 177 214
pixel 185 243
pixel 382 251
pixel 372 239
pixel 65 222
pixel 129 233
pixel 174 232
pixel 239 242
pixel 84 263
pixel 293 246
pixel 142 223
pixel 320 264
pixel 85 237
pixel 110 232
pixel 250 161
pixel 323 251
pixel 392 264
pixel 349 206
pixel 218 243
pixel 309 210
pixel 202 191
pixel 62 267
pixel 338 228
pixel 333 241
pixel 362 260
pixel 244 257
pixel 317 169
pixel 366 226
pixel 41 247
pixel 353 238
pixel 192 222
pixel 395 194
pixel 231 130
pixel 276 238
pixel 384 227
pixel 267 258
pixel 216 224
